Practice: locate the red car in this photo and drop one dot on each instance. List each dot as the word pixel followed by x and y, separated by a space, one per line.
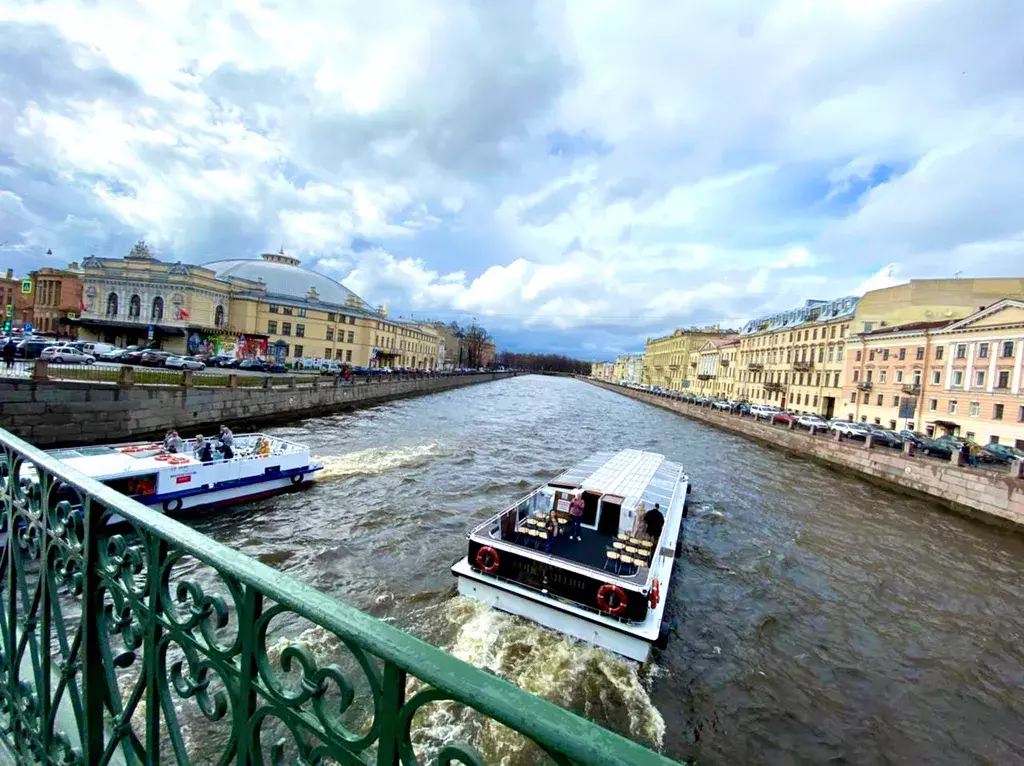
pixel 785 418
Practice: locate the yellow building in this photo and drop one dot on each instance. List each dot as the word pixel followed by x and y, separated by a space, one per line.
pixel 667 359
pixel 961 377
pixel 794 359
pixel 931 300
pixel 714 368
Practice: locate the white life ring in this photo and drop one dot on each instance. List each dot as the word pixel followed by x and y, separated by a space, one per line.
pixel 172 506
pixel 297 478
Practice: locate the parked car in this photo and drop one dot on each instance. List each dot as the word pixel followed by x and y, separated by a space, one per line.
pixel 763 411
pixel 1001 453
pixel 785 417
pixel 277 367
pixel 850 430
pixel 183 363
pixel 99 349
pixel 114 355
pixel 66 355
pixel 943 447
pixel 155 358
pixel 330 368
pixel 31 348
pixel 133 355
pixel 253 365
pixel 913 437
pixel 883 437
pixel 807 421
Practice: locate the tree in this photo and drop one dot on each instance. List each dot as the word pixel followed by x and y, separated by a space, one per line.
pixel 543 363
pixel 475 337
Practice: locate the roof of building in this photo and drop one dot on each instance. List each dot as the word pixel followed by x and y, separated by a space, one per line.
pixel 909 327
pixel 283 276
pixel 811 311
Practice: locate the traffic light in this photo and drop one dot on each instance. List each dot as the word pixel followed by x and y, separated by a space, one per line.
pixel 7 326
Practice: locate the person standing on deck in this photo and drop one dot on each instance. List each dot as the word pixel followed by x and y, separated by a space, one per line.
pixel 655 520
pixel 227 442
pixel 575 517
pixel 174 443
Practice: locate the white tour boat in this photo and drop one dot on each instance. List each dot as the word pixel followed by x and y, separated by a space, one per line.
pixel 609 588
pixel 261 465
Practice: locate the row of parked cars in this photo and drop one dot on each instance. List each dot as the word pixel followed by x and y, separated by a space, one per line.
pixel 941 447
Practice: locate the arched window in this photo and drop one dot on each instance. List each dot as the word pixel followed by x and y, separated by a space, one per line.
pixel 218 316
pixel 135 307
pixel 158 308
pixel 112 305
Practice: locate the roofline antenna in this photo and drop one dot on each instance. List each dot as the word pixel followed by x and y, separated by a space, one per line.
pixel 957 274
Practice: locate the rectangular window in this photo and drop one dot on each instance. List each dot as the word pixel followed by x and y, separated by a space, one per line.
pixel 330 316
pixel 881 376
pixel 868 326
pixel 993 439
pixel 832 334
pixel 899 376
pixel 979 378
pixel 1003 381
pixel 938 352
pixel 330 333
pixel 287 310
pixel 868 378
pixel 885 355
pixel 327 353
pixel 871 356
pixel 839 354
pixel 974 410
pixel 351 337
pixel 842 331
pixel 961 351
pixel 997 412
pixel 286 328
pixel 274 308
pixel 1020 414
pixel 831 353
pixel 348 355
pixel 936 377
pixel 272 328
pixel 853 400
pixel 958 377
pixel 917 377
pixel 919 353
pixel 836 383
pixel 351 320
pixel 300 331
pixel 983 351
pixel 298 351
pixel 933 404
pixel 858 356
pixel 896 401
pixel 1007 348
pixel 881 401
pixel 301 312
pixel 952 406
pixel 970 436
pixel 815 401
pixel 815 336
pixel 903 354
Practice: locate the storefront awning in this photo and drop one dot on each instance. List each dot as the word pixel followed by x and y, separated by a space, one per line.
pixel 946 423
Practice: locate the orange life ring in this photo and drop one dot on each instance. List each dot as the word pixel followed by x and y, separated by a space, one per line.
pixel 604 599
pixel 655 596
pixel 162 457
pixel 177 460
pixel 487 559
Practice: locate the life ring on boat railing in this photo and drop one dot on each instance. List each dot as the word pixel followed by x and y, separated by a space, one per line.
pixel 177 460
pixel 297 478
pixel 655 595
pixel 163 457
pixel 171 506
pixel 611 599
pixel 487 559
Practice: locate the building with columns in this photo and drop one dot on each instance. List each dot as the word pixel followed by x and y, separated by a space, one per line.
pixel 666 359
pixel 960 377
pixel 713 368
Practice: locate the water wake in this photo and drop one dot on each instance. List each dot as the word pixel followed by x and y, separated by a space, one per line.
pixel 375 461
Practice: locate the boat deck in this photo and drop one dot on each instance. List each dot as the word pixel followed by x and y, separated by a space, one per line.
pixel 589 552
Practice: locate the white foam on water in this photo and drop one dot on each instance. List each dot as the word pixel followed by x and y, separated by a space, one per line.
pixel 607 689
pixel 374 461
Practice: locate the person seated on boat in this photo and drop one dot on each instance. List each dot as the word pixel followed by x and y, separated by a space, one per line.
pixel 203 453
pixel 174 443
pixel 226 443
pixel 575 517
pixel 551 527
pixel 262 447
pixel 654 521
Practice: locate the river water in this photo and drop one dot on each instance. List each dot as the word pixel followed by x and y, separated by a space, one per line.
pixel 814 617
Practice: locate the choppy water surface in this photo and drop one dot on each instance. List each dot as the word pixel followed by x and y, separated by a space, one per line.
pixel 815 618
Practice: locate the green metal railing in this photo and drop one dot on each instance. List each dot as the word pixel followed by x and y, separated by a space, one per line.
pixel 145 641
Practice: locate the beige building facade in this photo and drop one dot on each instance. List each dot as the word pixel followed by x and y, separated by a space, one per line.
pixel 713 365
pixel 667 359
pixel 960 377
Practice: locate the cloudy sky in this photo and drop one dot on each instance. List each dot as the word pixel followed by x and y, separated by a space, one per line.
pixel 576 175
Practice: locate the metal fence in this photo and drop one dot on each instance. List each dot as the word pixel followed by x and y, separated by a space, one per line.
pixel 148 641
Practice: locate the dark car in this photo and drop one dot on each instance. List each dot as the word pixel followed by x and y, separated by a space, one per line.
pixel 253 365
pixel 1000 453
pixel 942 447
pixel 913 437
pixel 133 355
pixel 883 437
pixel 277 368
pixel 154 358
pixel 31 348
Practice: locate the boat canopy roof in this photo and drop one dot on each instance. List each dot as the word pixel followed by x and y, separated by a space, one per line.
pixel 630 474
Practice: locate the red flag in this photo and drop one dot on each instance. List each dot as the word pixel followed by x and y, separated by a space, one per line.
pixel 183 313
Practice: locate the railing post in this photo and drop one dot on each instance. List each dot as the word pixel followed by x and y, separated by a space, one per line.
pixel 93 681
pixel 186 378
pixel 252 608
pixel 41 370
pixel 232 381
pixel 157 553
pixel 266 381
pixel 394 698
pixel 125 377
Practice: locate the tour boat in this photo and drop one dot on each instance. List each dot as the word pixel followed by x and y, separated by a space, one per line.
pixel 609 588
pixel 175 483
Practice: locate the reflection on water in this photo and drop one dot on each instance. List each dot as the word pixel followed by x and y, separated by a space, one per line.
pixel 814 617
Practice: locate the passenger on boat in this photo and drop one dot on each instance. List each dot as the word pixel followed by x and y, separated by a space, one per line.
pixel 203 452
pixel 173 442
pixel 655 520
pixel 262 447
pixel 575 517
pixel 552 529
pixel 226 442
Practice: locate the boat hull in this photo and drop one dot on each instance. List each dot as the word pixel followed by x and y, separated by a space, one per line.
pixel 563 617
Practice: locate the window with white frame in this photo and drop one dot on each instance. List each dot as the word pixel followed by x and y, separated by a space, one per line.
pixel 974 409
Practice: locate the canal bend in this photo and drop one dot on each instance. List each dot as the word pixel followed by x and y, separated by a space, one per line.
pixel 814 617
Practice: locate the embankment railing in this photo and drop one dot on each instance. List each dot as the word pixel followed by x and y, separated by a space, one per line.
pixel 149 642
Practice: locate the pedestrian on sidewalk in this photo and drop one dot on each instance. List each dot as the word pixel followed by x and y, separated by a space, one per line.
pixel 10 351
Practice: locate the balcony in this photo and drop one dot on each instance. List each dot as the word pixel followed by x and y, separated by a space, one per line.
pixel 911 388
pixel 805 366
pixel 755 366
pixel 724 362
pixel 774 387
pixel 131 644
pixel 864 385
pixel 705 376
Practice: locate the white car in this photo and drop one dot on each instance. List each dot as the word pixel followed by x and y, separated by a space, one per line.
pixel 806 421
pixel 855 430
pixel 183 363
pixel 763 411
pixel 722 404
pixel 66 355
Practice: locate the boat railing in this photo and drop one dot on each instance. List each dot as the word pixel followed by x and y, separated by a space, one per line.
pixel 486 526
pixel 153 643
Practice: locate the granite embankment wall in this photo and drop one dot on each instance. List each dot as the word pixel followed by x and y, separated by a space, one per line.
pixel 60 413
pixel 995 495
